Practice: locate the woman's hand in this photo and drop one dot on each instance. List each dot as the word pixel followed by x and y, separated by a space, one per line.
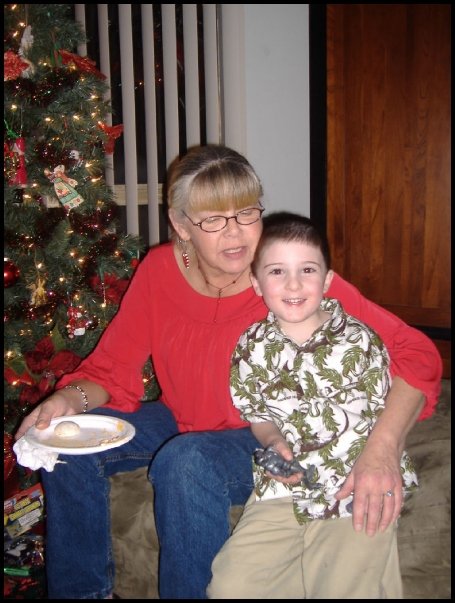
pixel 375 474
pixel 64 402
pixel 375 478
pixel 57 405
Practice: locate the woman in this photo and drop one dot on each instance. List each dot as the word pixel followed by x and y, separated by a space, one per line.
pixel 186 306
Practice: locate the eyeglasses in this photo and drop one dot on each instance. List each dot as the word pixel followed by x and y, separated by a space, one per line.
pixel 216 223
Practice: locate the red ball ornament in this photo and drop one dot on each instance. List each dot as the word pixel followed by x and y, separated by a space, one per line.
pixel 91 322
pixel 10 273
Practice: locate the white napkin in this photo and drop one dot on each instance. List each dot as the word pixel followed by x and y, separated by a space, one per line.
pixel 34 457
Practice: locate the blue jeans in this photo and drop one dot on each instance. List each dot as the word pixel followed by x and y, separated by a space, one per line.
pixel 196 478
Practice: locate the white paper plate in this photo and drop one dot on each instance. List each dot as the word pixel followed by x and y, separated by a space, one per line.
pixel 98 432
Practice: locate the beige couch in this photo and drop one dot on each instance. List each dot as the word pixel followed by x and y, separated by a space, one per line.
pixel 424 529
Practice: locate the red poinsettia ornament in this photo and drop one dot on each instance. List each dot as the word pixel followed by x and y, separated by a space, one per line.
pixel 113 132
pixel 82 63
pixel 111 288
pixel 44 365
pixel 13 65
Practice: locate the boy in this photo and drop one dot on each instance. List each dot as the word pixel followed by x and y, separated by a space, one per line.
pixel 311 380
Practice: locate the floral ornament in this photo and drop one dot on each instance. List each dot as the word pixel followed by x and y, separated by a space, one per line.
pixel 14 378
pixel 44 365
pixel 112 132
pixel 111 288
pixel 82 63
pixel 13 65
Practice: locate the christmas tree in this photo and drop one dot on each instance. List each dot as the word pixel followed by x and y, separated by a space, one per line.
pixel 66 262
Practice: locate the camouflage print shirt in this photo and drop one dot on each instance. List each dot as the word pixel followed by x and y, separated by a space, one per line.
pixel 324 395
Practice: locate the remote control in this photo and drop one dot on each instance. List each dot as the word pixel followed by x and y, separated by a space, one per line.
pixel 275 463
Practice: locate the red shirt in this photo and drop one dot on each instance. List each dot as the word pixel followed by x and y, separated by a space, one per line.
pixel 163 317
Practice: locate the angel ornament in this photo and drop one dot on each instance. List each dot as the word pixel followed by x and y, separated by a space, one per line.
pixel 64 187
pixel 38 297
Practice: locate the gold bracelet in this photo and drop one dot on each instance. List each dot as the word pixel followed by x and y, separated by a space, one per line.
pixel 83 394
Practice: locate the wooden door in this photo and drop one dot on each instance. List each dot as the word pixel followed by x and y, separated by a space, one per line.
pixel 388 157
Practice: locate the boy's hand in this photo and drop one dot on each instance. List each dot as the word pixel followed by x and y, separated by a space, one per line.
pixel 277 465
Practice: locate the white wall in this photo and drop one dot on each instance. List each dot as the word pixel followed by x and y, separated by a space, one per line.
pixel 266 92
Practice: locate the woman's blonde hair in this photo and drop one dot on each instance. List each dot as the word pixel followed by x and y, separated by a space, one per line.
pixel 212 177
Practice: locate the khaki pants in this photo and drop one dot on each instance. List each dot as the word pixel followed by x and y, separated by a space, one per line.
pixel 271 556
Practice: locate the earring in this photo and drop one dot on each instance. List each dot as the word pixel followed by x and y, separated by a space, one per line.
pixel 185 256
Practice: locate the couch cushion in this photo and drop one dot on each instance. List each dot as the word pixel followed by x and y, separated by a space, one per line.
pixel 134 539
pixel 423 534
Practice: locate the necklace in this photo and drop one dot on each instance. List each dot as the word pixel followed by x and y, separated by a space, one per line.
pixel 219 289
